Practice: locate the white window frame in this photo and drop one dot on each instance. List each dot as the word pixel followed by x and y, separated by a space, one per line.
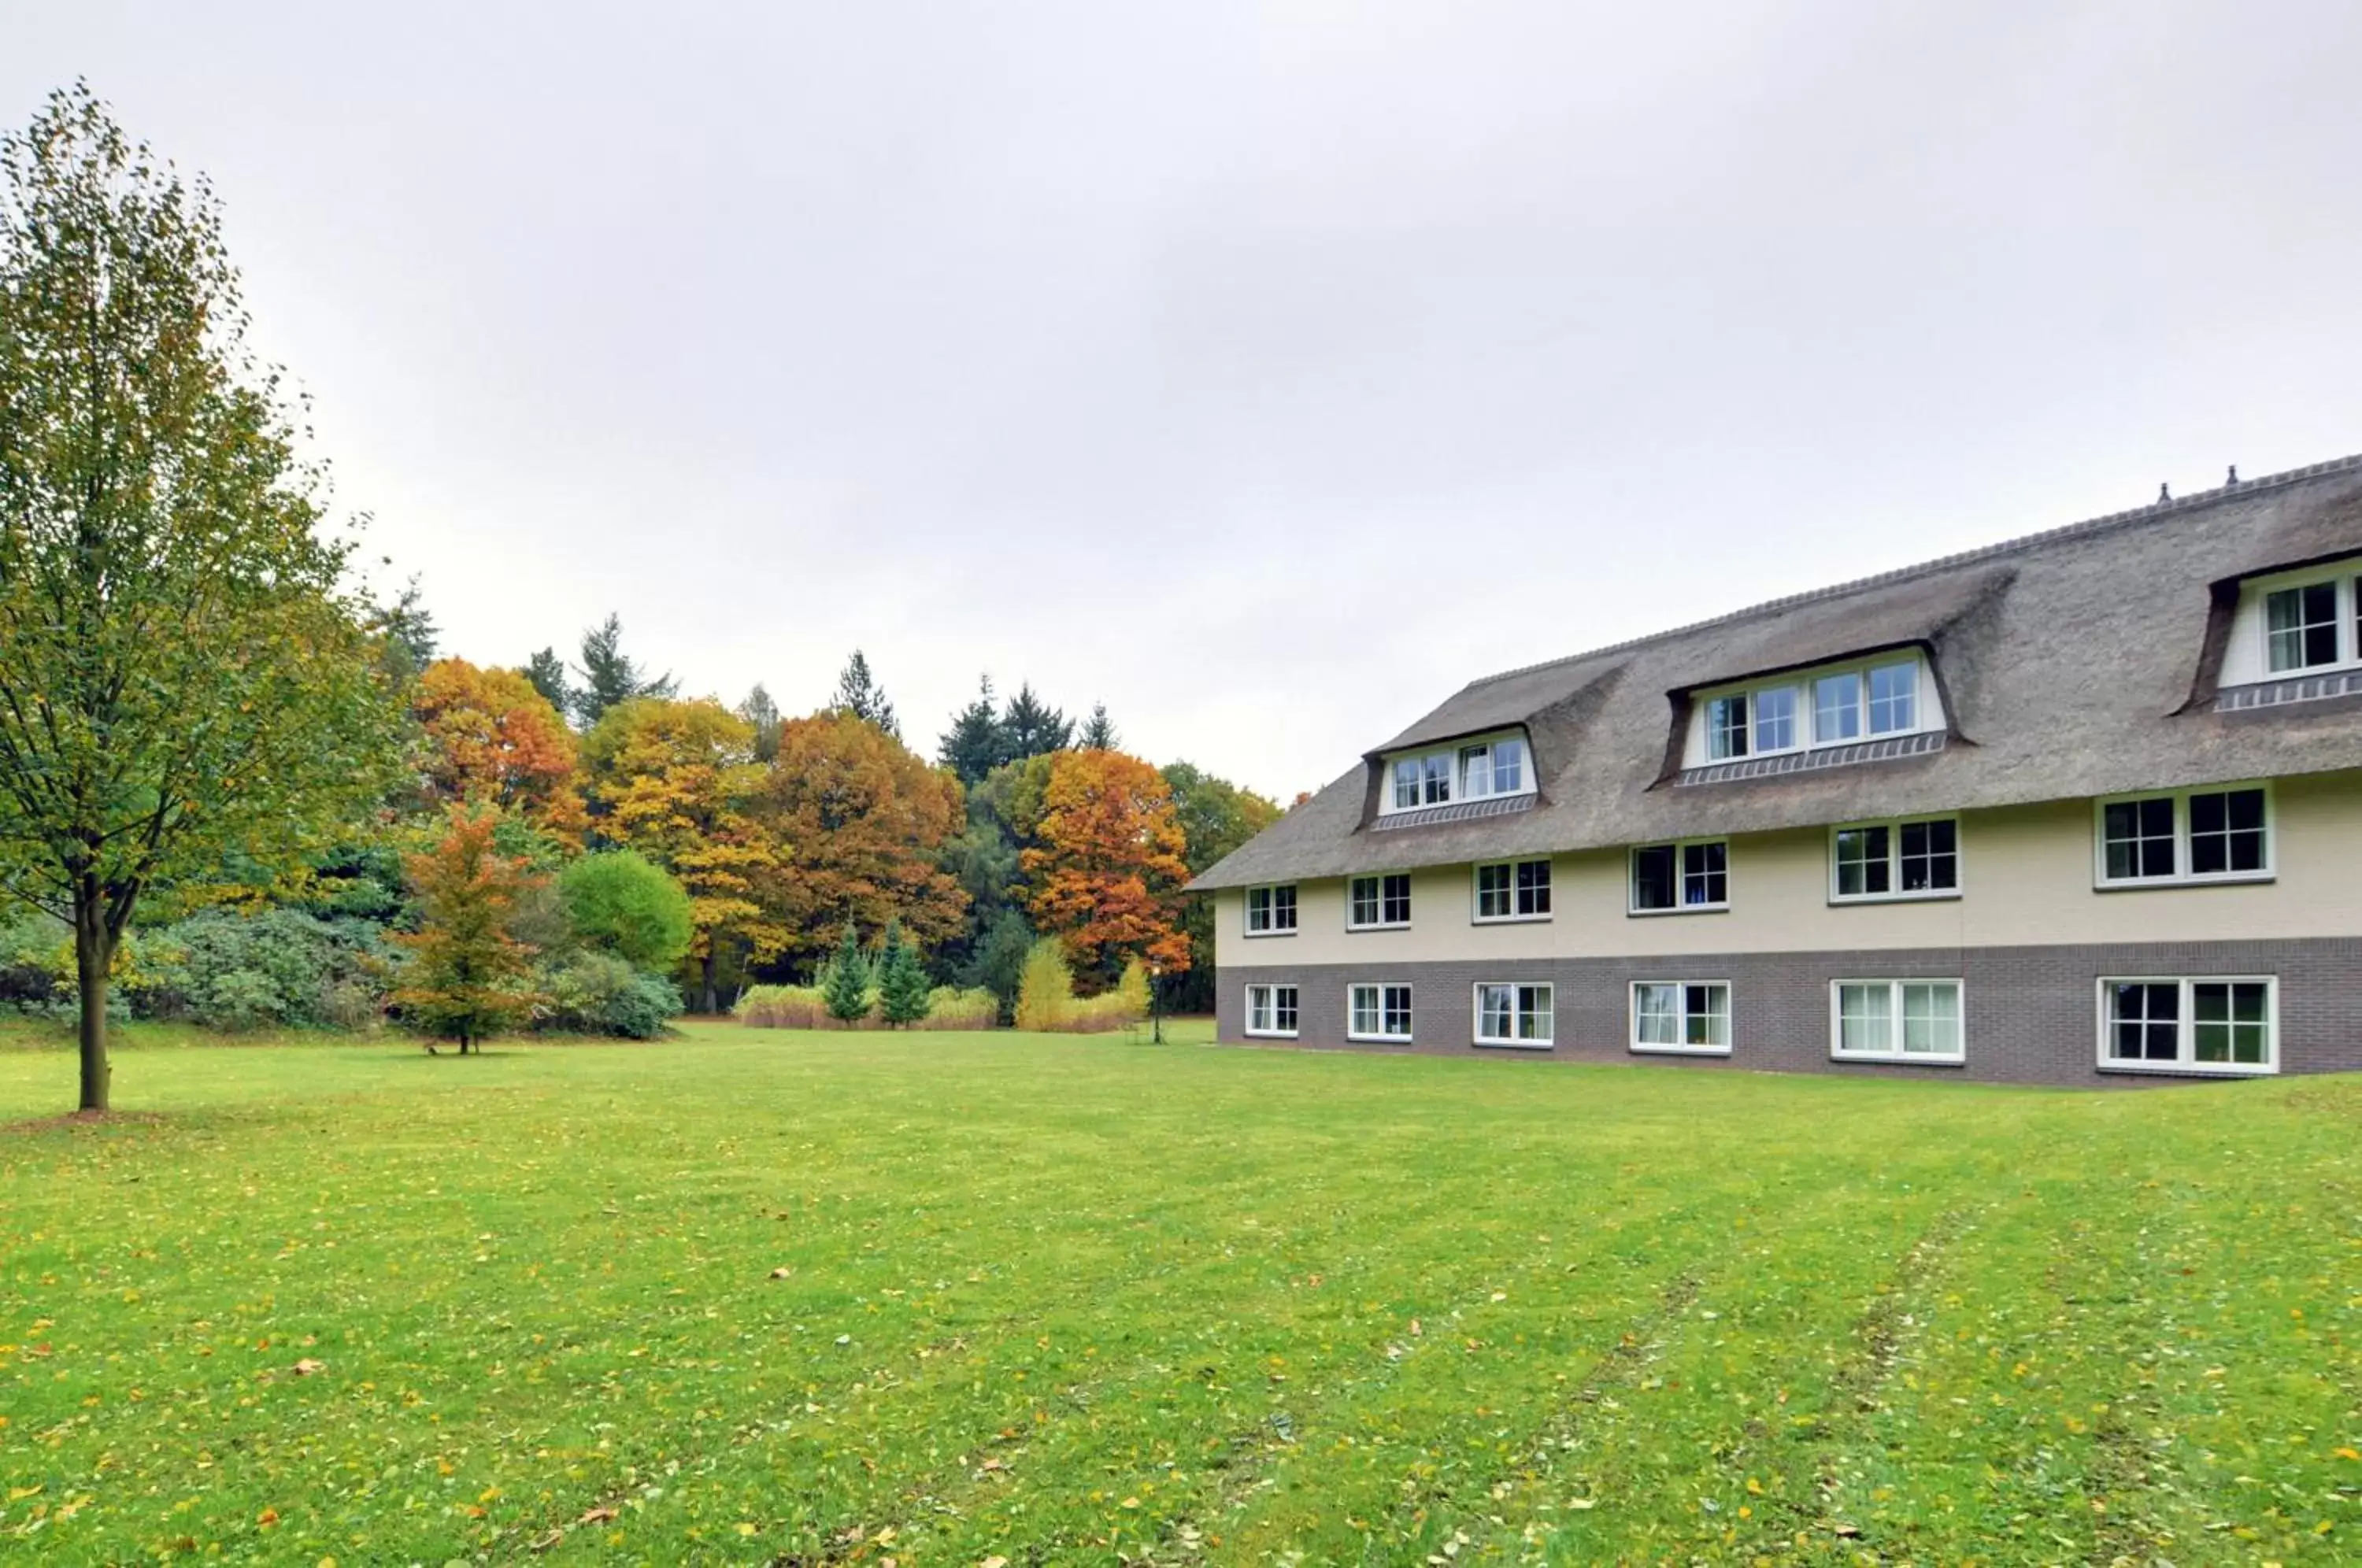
pixel 1274 1032
pixel 1477 891
pixel 2182 875
pixel 1381 878
pixel 1958 1056
pixel 1681 848
pixel 1451 759
pixel 1549 1014
pixel 2249 659
pixel 1926 708
pixel 1294 909
pixel 2185 1064
pixel 1896 893
pixel 1681 1048
pixel 1381 988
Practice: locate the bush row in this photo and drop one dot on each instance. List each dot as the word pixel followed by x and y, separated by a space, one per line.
pixel 806 1007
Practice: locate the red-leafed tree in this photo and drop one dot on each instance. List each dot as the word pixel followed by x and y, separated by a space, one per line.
pixel 469 976
pixel 492 737
pixel 1107 873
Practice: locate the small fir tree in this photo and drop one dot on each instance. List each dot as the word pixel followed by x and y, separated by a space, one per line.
pixel 1098 731
pixel 859 693
pixel 469 976
pixel 902 981
pixel 609 676
pixel 546 670
pixel 845 988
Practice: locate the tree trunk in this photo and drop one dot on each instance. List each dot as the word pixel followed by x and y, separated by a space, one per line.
pixel 712 998
pixel 93 956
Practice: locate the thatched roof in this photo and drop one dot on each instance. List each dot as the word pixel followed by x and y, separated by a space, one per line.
pixel 2075 662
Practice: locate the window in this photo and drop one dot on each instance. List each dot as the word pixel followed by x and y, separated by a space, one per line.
pixel 1271 912
pixel 1407 772
pixel 1672 877
pixel 1271 1010
pixel 1473 770
pixel 1681 1016
pixel 2301 627
pixel 1775 719
pixel 1896 1021
pixel 1439 779
pixel 1513 1014
pixel 2210 1025
pixel 1725 728
pixel 1377 1012
pixel 1374 902
pixel 1837 708
pixel 1896 860
pixel 2195 835
pixel 1894 693
pixel 1498 767
pixel 1514 890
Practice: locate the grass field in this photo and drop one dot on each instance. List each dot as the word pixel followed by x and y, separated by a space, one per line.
pixel 758 1296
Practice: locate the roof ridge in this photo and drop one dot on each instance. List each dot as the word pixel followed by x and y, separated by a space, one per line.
pixel 2155 509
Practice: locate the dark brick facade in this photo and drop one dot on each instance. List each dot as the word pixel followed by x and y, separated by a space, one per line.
pixel 2030 1014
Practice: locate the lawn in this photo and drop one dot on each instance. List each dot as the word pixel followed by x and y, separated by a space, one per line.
pixel 761 1297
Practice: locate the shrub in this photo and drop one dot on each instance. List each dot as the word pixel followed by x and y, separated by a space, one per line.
pixel 232 970
pixel 625 904
pixel 598 993
pixel 1045 992
pixel 785 1007
pixel 951 1008
pixel 37 971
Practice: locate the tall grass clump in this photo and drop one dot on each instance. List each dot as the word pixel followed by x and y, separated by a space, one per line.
pixel 1046 999
pixel 806 1007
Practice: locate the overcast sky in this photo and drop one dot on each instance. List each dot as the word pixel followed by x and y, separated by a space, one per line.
pixel 1266 371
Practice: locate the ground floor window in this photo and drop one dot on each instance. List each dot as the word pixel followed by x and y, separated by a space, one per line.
pixel 1513 1014
pixel 1271 1009
pixel 1378 1012
pixel 1895 1020
pixel 2197 1025
pixel 1682 1015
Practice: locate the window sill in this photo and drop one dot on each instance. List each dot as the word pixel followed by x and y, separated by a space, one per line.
pixel 1378 1039
pixel 2190 1069
pixel 1903 1058
pixel 1639 1050
pixel 1840 901
pixel 1382 925
pixel 1515 1044
pixel 1260 935
pixel 1509 920
pixel 2217 879
pixel 1270 1033
pixel 1723 907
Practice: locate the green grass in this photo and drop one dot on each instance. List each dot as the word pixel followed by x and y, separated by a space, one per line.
pixel 1083 1300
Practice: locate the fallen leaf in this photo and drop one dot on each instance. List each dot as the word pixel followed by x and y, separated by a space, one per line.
pixel 994 1562
pixel 597 1516
pixel 781 1272
pixel 547 1542
pixel 307 1366
pixel 267 1517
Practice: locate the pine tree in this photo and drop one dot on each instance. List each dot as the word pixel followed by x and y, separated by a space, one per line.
pixel 1098 731
pixel 759 711
pixel 609 676
pixel 1033 726
pixel 859 693
pixel 845 988
pixel 901 980
pixel 410 634
pixel 976 744
pixel 548 673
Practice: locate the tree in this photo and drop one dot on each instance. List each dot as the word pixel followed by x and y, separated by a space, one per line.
pixel 1098 731
pixel 1217 817
pixel 1045 994
pixel 608 675
pixel 492 736
pixel 976 744
pixel 625 903
pixel 408 628
pixel 858 694
pixel 548 673
pixel 469 976
pixel 1108 874
pixel 997 961
pixel 183 673
pixel 866 822
pixel 762 716
pixel 677 781
pixel 844 982
pixel 902 981
pixel 1034 727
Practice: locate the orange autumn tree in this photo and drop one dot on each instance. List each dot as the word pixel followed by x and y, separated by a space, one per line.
pixel 468 976
pixel 1107 871
pixel 866 820
pixel 492 739
pixel 678 781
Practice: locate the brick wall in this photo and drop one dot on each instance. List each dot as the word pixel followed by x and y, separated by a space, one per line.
pixel 2030 1014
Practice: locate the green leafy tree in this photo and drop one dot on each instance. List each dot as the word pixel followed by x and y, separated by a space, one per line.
pixel 901 980
pixel 469 976
pixel 628 905
pixel 183 676
pixel 762 716
pixel 845 984
pixel 608 675
pixel 859 693
pixel 1217 816
pixel 1098 731
pixel 546 670
pixel 976 744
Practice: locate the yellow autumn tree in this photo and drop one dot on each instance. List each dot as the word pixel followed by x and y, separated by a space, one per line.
pixel 492 739
pixel 678 781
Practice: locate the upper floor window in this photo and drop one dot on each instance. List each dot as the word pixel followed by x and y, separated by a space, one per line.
pixel 1473 770
pixel 1372 903
pixel 1669 877
pixel 1514 890
pixel 1896 860
pixel 2296 623
pixel 1271 912
pixel 2186 835
pixel 1888 696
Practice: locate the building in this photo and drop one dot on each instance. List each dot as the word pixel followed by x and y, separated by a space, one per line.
pixel 2083 808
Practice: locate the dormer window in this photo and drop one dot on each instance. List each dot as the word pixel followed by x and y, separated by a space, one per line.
pixel 2296 623
pixel 1839 705
pixel 1471 770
